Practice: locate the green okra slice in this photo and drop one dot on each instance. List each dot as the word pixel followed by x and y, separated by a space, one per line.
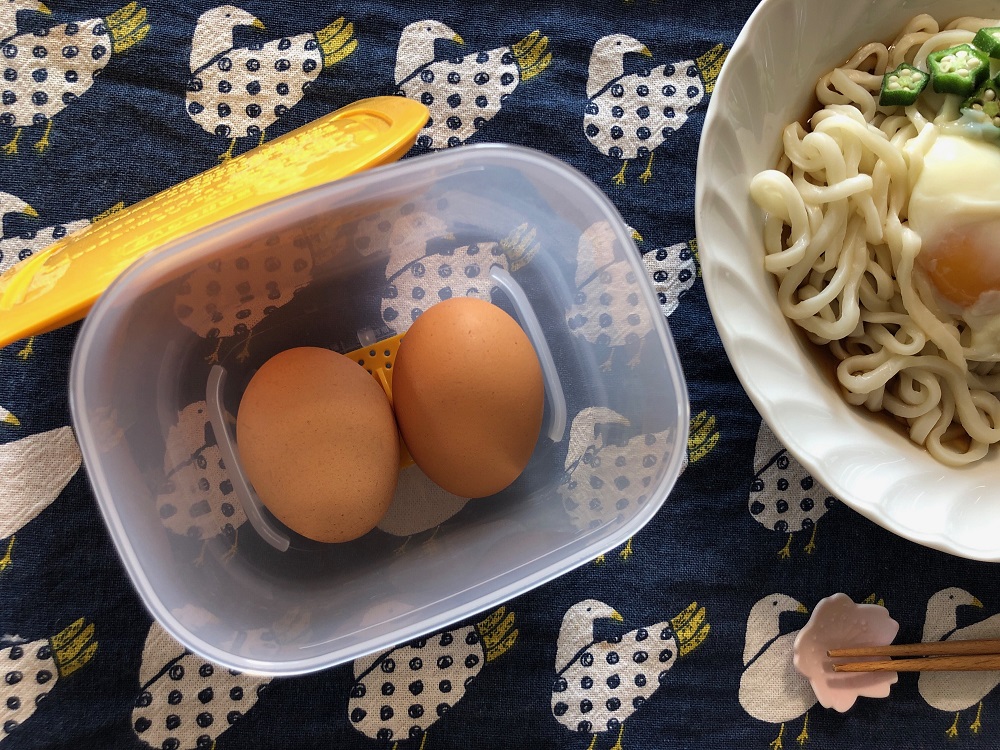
pixel 958 70
pixel 902 86
pixel 986 100
pixel 988 40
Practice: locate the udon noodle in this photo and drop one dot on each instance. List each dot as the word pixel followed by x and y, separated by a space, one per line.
pixel 837 239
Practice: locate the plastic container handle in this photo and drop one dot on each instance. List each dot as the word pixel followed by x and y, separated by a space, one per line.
pixel 252 506
pixel 529 322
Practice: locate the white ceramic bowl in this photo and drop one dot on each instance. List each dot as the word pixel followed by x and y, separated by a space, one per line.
pixel 863 459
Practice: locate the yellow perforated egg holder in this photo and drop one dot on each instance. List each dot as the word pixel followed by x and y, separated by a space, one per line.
pixel 378 359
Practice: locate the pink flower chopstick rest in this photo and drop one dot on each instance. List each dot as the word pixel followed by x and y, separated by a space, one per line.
pixel 837 622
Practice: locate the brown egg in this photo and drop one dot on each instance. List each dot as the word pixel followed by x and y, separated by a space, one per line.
pixel 317 440
pixel 468 395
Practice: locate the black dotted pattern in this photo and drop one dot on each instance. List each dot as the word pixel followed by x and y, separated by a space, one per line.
pixel 15 249
pixel 29 673
pixel 409 688
pixel 637 112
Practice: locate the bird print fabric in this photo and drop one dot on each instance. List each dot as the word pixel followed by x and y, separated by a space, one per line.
pixel 185 701
pixel 239 92
pixel 400 693
pixel 49 69
pixel 674 641
pixel 628 116
pixel 465 91
pixel 32 670
pixel 600 684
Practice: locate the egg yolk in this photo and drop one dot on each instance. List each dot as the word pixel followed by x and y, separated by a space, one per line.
pixel 955 208
pixel 964 264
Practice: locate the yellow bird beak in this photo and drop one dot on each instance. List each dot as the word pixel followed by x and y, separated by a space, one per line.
pixel 802 609
pixel 457 39
pixel 29 211
pixel 636 236
pixel 9 418
pixel 976 603
pixel 645 51
pixel 258 24
pixel 43 8
pixel 617 617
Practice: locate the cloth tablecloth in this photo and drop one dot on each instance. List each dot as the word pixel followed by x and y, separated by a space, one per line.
pixel 100 109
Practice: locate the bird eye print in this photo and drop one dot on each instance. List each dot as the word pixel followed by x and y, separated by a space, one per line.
pixel 465 92
pixel 45 71
pixel 600 684
pixel 627 117
pixel 239 92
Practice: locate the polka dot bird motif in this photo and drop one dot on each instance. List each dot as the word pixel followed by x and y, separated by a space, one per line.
pixel 46 70
pixel 185 702
pixel 629 116
pixel 197 498
pixel 9 11
pixel 607 309
pixel 33 670
pixel 399 694
pixel 466 91
pixel 239 92
pixel 783 497
pixel 600 684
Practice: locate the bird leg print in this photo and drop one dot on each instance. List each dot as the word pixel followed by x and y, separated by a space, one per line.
pixel 771 689
pixel 184 701
pixel 955 692
pixel 47 70
pixel 629 116
pixel 783 496
pixel 466 91
pixel 32 670
pixel 600 684
pixel 33 472
pixel 399 694
pixel 239 92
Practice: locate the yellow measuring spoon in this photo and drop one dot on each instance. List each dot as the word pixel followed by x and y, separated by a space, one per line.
pixel 60 284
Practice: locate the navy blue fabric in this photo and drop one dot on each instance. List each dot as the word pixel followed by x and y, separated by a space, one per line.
pixel 130 137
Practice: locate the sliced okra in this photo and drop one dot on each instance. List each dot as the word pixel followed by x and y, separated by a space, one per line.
pixel 958 70
pixel 988 40
pixel 902 86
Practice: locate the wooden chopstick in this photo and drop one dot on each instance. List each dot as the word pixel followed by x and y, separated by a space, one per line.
pixel 974 663
pixel 934 648
pixel 937 656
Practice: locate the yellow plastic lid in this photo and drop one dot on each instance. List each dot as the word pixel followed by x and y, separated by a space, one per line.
pixel 60 284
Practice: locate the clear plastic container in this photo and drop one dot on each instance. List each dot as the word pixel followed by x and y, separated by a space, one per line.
pixel 344 266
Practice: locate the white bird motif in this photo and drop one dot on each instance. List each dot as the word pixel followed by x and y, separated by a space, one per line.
pixel 783 496
pixel 227 297
pixel 771 689
pixel 184 701
pixel 33 472
pixel 197 499
pixel 239 92
pixel 596 488
pixel 11 204
pixel 600 684
pixel 957 691
pixel 31 670
pixel 628 116
pixel 47 70
pixel 398 694
pixel 464 92
pixel 607 309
